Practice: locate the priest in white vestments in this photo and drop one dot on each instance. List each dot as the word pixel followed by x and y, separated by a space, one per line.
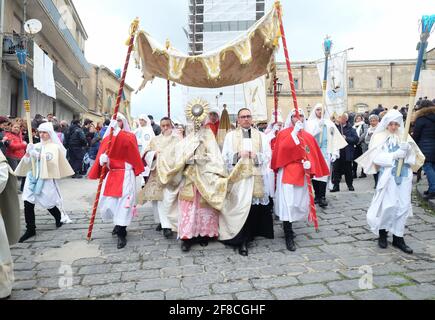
pixel 247 211
pixel 164 198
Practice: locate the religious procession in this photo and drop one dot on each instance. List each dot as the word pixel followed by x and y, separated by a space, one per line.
pixel 208 178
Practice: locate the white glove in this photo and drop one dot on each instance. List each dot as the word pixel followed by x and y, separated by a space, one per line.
pixel 298 127
pixel 104 159
pixel 404 147
pixel 113 123
pixel 399 154
pixel 35 154
pixel 276 127
pixel 307 165
pixel 30 147
pixel 334 158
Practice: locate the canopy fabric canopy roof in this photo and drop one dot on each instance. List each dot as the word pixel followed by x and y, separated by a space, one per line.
pixel 244 59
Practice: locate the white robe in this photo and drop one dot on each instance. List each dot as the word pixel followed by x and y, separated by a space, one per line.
pixel 292 203
pixel 165 211
pixel 144 136
pixel 6 262
pixel 49 196
pixel 240 198
pixel 391 205
pixel 120 211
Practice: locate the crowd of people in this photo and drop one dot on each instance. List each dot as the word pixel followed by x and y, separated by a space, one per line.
pixel 205 188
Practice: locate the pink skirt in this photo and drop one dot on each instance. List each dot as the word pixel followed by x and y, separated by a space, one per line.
pixel 195 221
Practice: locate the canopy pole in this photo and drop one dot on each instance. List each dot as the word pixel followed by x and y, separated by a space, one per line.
pixel 133 29
pixel 275 95
pixel 313 213
pixel 169 98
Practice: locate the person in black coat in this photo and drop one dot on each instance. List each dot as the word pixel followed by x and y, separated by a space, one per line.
pixel 344 164
pixel 424 136
pixel 76 143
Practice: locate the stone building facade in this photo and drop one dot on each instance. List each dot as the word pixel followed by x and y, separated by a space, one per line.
pixel 63 39
pixel 371 82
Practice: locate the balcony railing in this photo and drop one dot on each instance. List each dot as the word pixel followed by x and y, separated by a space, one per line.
pixel 59 22
pixel 11 43
pixel 60 77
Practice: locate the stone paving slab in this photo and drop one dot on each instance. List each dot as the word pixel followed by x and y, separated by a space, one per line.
pixel 329 265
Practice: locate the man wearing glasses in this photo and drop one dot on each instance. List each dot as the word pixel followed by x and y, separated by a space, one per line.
pixel 247 213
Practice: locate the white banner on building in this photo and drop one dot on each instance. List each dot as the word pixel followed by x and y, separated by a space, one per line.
pixel 336 93
pixel 256 99
pixel 43 77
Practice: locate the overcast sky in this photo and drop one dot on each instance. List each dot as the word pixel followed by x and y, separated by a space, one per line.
pixel 377 29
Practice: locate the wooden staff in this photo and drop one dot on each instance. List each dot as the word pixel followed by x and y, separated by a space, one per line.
pixel 427 22
pixel 133 29
pixel 313 213
pixel 22 59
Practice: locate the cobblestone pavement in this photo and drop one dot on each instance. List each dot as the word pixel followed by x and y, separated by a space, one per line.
pixel 337 263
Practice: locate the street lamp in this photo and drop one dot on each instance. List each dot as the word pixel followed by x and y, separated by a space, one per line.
pixel 221 94
pixel 32 27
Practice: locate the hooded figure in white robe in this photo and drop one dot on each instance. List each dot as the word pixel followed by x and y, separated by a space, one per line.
pixel 391 206
pixel 41 188
pixel 320 126
pixel 9 225
pixel 144 133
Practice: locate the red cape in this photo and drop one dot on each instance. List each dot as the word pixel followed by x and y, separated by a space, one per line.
pixel 214 127
pixel 288 155
pixel 124 150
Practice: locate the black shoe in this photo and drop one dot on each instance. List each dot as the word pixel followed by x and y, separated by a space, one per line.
pixel 429 196
pixel 363 176
pixel 289 237
pixel 426 192
pixel 122 241
pixel 383 239
pixel 243 249
pixel 159 228
pixel 203 242
pixel 167 233
pixel 336 188
pixel 351 189
pixel 59 224
pixel 355 176
pixel 399 243
pixel 186 245
pixel 323 203
pixel 77 176
pixel 27 235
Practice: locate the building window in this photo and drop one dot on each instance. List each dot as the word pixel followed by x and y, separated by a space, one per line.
pixel 297 84
pixel 351 83
pixel 379 83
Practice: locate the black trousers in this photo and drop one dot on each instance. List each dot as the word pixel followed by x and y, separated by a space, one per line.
pixel 341 167
pixel 258 224
pixel 376 177
pixel 319 189
pixel 29 215
pixel 76 156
